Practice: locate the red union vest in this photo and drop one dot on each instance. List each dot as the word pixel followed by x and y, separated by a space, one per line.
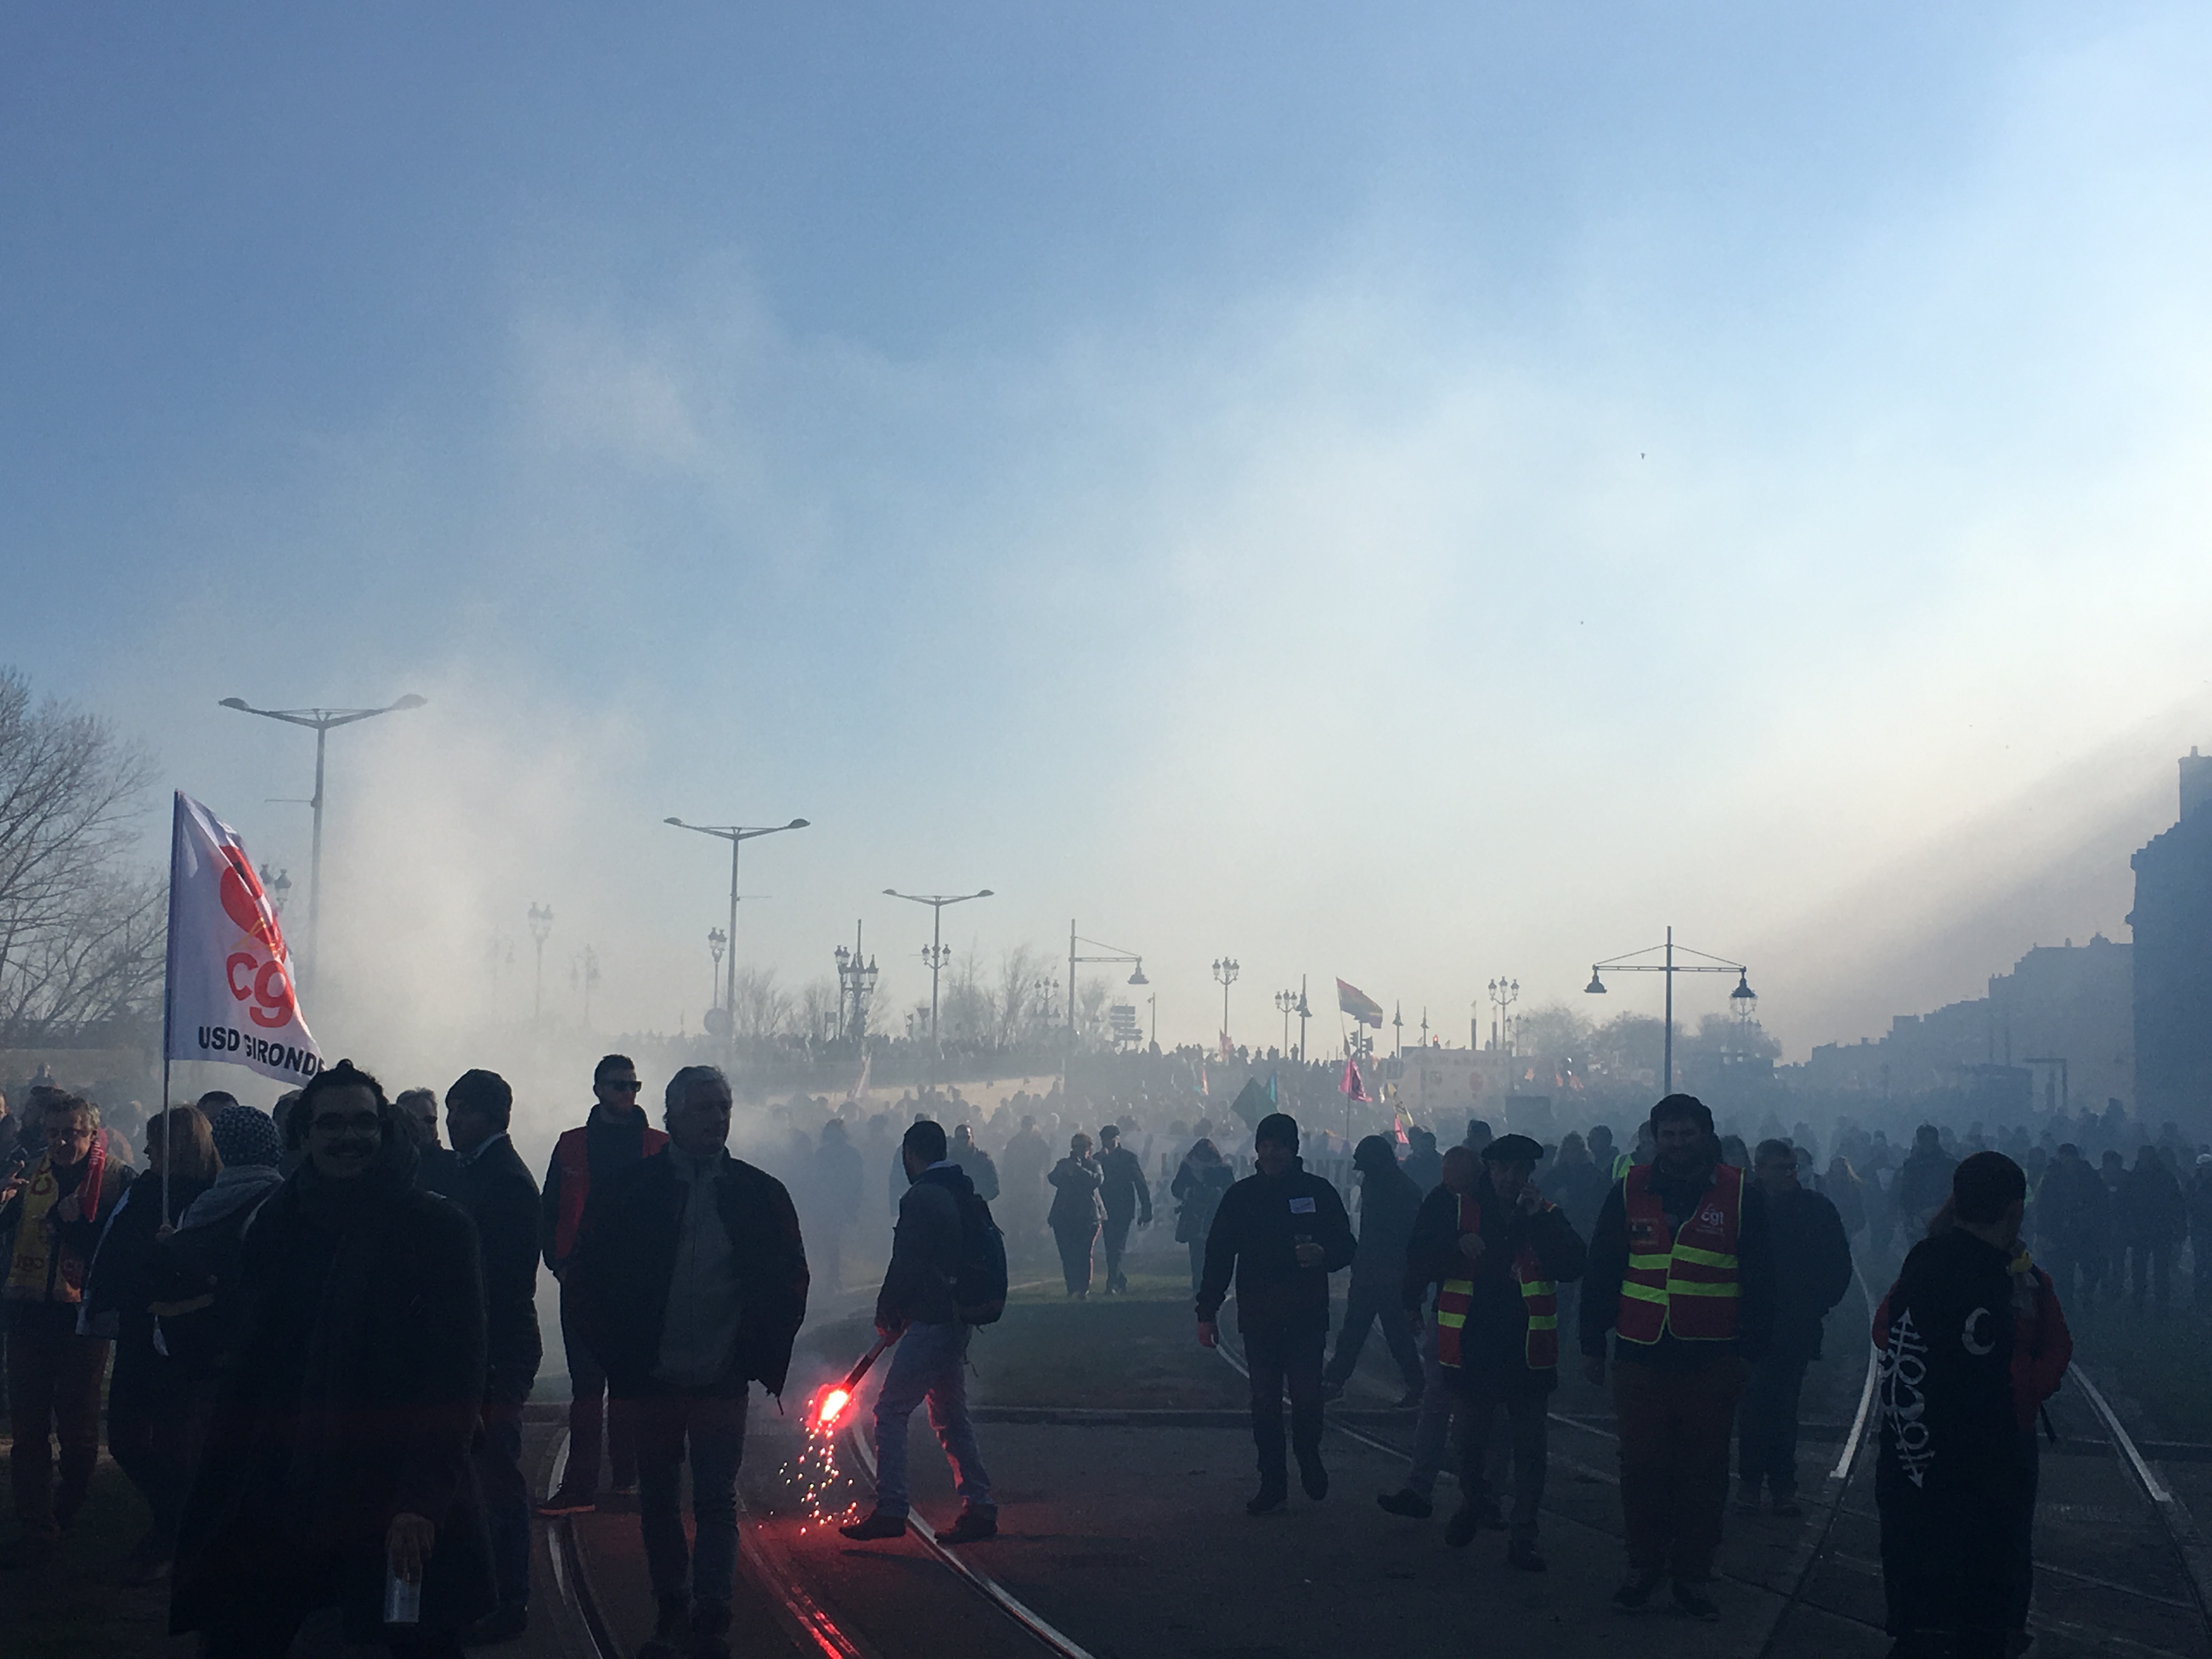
pixel 1540 1296
pixel 571 1156
pixel 1686 1283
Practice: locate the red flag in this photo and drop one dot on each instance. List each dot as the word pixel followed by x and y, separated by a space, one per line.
pixel 1349 1083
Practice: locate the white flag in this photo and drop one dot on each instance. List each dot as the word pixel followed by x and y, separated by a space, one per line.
pixel 231 996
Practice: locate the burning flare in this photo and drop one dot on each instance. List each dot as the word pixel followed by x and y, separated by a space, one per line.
pixel 833 1406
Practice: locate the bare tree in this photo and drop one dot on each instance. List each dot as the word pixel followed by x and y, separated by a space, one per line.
pixel 81 931
pixel 762 1008
pixel 1015 1004
pixel 817 1007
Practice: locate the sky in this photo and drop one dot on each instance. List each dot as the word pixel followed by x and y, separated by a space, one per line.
pixel 1416 498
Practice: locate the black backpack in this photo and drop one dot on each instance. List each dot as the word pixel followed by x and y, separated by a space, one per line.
pixel 979 1289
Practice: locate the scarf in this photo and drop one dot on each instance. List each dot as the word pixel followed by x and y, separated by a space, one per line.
pixel 43 1268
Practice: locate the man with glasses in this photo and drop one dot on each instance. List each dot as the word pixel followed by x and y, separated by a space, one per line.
pixel 613 1138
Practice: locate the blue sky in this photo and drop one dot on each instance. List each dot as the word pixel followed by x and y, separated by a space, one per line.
pixel 1411 498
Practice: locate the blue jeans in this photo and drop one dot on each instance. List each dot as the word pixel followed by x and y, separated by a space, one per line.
pixel 712 1427
pixel 928 1363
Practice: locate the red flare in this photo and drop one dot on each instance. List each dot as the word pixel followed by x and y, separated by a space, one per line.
pixel 833 1406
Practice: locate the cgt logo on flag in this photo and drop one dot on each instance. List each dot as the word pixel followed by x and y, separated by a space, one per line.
pixel 230 993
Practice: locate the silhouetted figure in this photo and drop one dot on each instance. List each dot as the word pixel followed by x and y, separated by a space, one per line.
pixel 1281 1232
pixel 1199 1183
pixel 1425 1164
pixel 1021 1167
pixel 1076 1211
pixel 2152 1218
pixel 1127 1198
pixel 1812 1270
pixel 1923 1181
pixel 2198 1198
pixel 839 1175
pixel 1389 1200
pixel 2070 1221
pixel 338 1448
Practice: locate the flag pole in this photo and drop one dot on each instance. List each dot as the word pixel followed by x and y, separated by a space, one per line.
pixel 169 993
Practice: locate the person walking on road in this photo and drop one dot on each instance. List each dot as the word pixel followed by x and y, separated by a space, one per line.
pixel 689 1283
pixel 2153 1216
pixel 1923 1181
pixel 2198 1201
pixel 1424 1165
pixel 614 1138
pixel 1682 1279
pixel 1440 1416
pixel 337 1453
pixel 2070 1209
pixel 1950 1482
pixel 1127 1198
pixel 1022 1166
pixel 917 1309
pixel 1281 1232
pixel 1389 1200
pixel 51 1217
pixel 1075 1213
pixel 1811 1270
pixel 1498 1259
pixel 1199 1183
pixel 493 1184
pixel 839 1175
pixel 975 1164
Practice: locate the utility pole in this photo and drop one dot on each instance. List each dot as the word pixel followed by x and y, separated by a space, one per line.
pixel 1741 997
pixel 936 953
pixel 1305 1013
pixel 323 722
pixel 737 835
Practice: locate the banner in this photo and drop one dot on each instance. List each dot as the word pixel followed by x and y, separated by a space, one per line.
pixel 230 995
pixel 1351 1000
pixel 1350 1084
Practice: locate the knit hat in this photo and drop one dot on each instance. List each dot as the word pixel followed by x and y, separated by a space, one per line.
pixel 244 1135
pixel 1278 1127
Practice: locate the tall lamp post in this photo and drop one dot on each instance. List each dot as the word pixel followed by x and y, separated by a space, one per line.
pixel 1113 953
pixel 737 835
pixel 1288 1002
pixel 1742 996
pixel 1224 970
pixel 717 942
pixel 936 953
pixel 1503 993
pixel 856 982
pixel 541 926
pixel 323 721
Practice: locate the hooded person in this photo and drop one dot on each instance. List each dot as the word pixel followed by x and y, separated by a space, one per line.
pixel 1280 1232
pixel 1497 1253
pixel 1389 1200
pixel 1950 1484
pixel 336 1461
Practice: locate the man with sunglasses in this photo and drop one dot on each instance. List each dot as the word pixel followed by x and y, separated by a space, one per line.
pixel 613 1138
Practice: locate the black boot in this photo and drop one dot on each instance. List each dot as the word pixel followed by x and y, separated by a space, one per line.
pixel 672 1630
pixel 1460 1530
pixel 1274 1491
pixel 1312 1476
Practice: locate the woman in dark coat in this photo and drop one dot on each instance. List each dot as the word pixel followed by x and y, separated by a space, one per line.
pixel 1197 1190
pixel 338 1448
pixel 1076 1211
pixel 151 1396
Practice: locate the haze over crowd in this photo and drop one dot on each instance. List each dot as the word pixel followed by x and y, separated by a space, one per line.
pixel 1447 498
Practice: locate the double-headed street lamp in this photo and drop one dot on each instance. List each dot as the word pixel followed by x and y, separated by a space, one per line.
pixel 1743 997
pixel 737 835
pixel 1503 993
pixel 1224 970
pixel 322 721
pixel 1288 1002
pixel 937 952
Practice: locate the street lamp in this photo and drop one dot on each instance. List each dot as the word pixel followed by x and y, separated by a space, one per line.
pixel 277 886
pixel 1288 1002
pixel 1113 953
pixel 856 982
pixel 585 971
pixel 1225 970
pixel 1503 993
pixel 737 836
pixel 717 942
pixel 541 925
pixel 936 953
pixel 1743 996
pixel 323 720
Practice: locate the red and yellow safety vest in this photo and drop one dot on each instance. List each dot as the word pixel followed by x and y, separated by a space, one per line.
pixel 1540 1296
pixel 1684 1283
pixel 571 1155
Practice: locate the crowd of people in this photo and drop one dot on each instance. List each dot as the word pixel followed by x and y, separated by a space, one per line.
pixel 313 1332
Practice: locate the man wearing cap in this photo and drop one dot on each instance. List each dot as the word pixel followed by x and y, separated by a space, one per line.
pixel 1281 1231
pixel 1497 1253
pixel 1681 1277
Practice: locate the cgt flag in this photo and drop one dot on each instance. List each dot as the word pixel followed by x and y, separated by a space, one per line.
pixel 1352 1000
pixel 230 995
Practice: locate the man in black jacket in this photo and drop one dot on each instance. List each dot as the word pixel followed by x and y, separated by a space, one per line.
pixel 493 1186
pixel 1282 1232
pixel 337 1445
pixel 1948 1468
pixel 1388 1201
pixel 1812 1270
pixel 689 1282
pixel 613 1139
pixel 1127 1198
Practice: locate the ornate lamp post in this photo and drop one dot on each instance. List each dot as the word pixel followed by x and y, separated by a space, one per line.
pixel 541 926
pixel 1224 970
pixel 1742 996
